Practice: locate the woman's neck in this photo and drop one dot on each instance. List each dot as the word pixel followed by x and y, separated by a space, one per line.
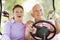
pixel 18 20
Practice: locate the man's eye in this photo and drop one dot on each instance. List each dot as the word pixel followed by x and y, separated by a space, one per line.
pixel 36 11
pixel 40 9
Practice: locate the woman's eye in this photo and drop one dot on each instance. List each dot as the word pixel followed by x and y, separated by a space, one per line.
pixel 21 11
pixel 17 12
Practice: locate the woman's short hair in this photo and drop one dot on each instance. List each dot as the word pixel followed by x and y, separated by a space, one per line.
pixel 18 6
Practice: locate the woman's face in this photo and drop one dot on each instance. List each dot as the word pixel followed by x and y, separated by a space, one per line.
pixel 18 13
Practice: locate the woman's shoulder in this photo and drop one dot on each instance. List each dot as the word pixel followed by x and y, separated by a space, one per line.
pixel 9 22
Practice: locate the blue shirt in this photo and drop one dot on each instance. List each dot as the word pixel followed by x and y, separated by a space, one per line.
pixel 13 30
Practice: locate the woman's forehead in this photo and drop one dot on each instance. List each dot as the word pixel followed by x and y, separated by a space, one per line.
pixel 18 8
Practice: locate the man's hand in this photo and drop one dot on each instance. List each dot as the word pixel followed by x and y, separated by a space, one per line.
pixel 29 26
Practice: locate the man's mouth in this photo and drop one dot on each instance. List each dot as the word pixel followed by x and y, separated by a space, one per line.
pixel 38 15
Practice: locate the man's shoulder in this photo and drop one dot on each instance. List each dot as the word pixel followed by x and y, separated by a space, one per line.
pixel 52 21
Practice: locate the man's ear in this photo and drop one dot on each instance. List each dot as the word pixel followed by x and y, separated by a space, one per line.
pixel 32 14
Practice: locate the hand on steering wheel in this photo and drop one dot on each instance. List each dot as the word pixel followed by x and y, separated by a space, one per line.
pixel 43 32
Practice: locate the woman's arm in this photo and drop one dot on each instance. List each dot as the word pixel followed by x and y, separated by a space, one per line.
pixel 6 31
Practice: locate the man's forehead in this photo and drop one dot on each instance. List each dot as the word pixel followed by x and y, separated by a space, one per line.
pixel 37 6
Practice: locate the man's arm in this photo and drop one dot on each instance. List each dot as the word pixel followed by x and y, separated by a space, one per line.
pixel 57 25
pixel 28 30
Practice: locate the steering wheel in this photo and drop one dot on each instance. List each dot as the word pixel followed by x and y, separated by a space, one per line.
pixel 43 32
pixel 0 33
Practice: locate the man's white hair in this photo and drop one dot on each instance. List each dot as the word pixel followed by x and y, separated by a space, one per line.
pixel 40 6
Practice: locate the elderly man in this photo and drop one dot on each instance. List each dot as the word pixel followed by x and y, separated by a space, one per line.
pixel 37 14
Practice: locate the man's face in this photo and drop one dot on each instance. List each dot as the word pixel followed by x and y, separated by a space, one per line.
pixel 18 13
pixel 37 11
